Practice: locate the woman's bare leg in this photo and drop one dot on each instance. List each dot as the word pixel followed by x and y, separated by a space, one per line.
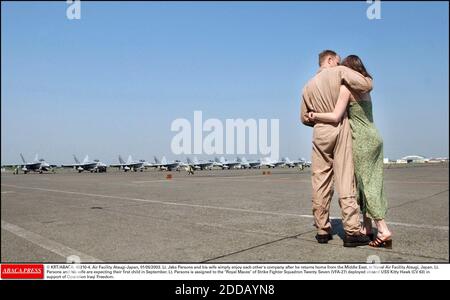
pixel 366 227
pixel 383 230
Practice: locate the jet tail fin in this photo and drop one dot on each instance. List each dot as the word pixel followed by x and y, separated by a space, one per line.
pixel 86 159
pixel 129 160
pixel 23 159
pixel 121 160
pixel 76 159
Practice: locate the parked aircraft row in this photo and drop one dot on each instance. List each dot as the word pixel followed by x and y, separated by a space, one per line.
pixel 40 165
pixel 86 165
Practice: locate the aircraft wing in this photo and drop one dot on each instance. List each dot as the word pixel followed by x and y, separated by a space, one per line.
pixel 172 165
pixel 137 164
pixel 33 165
pixel 205 164
pixel 89 165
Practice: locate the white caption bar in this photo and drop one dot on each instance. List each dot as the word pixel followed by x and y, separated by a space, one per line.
pixel 245 271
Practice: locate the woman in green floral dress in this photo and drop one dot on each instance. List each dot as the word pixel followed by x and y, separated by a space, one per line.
pixel 367 154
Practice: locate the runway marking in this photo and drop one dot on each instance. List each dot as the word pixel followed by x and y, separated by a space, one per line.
pixel 422 226
pixel 7 192
pixel 256 246
pixel 45 243
pixel 159 202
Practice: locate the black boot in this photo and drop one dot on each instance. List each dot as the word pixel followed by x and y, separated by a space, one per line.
pixel 323 238
pixel 356 240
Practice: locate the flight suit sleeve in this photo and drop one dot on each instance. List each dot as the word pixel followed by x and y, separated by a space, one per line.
pixel 355 80
pixel 304 112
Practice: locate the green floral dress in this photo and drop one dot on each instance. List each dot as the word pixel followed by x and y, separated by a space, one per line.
pixel 368 159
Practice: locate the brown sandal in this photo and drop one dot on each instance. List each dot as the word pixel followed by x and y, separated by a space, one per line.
pixel 381 243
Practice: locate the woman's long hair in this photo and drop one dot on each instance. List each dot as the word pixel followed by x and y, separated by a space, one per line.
pixel 355 63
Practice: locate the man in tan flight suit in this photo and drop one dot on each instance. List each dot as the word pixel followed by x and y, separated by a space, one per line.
pixel 332 149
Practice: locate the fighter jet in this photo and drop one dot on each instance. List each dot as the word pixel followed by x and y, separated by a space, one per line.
pixel 292 164
pixel 91 166
pixel 130 164
pixel 202 165
pixel 164 165
pixel 271 163
pixel 249 164
pixel 38 165
pixel 305 162
pixel 224 164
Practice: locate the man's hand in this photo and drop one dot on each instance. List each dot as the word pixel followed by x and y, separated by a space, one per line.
pixel 307 119
pixel 311 117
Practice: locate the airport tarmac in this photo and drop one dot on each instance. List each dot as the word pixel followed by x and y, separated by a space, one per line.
pixel 239 216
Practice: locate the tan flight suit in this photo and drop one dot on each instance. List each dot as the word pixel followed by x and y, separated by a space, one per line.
pixel 332 147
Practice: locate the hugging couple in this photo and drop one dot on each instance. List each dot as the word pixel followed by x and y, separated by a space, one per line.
pixel 347 151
